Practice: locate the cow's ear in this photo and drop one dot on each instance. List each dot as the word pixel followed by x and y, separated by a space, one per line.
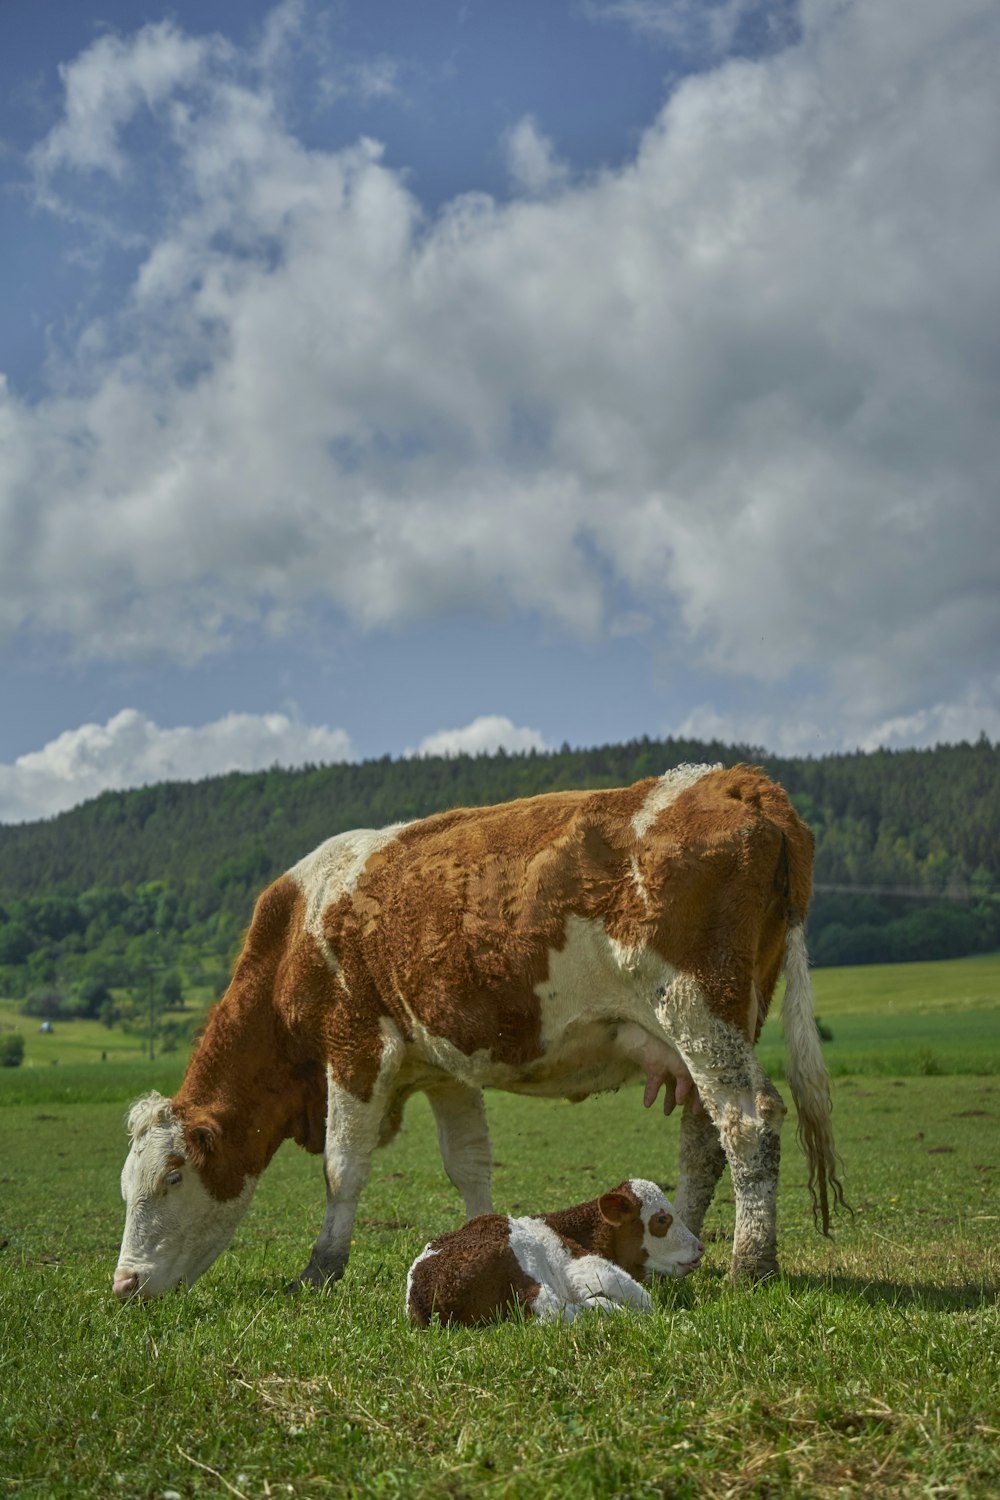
pixel 615 1207
pixel 202 1136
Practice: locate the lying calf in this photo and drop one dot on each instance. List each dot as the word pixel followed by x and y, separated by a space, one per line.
pixel 554 1265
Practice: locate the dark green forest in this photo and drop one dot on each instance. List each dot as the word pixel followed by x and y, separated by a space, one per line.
pixel 153 888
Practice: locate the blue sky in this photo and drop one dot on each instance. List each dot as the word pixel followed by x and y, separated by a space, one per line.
pixel 386 378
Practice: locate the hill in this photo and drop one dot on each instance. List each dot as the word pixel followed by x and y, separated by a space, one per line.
pixel 161 880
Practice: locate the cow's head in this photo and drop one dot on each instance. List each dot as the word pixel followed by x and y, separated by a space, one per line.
pixel 648 1234
pixel 174 1227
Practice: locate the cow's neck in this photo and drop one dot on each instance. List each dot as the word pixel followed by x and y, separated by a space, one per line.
pixel 245 1079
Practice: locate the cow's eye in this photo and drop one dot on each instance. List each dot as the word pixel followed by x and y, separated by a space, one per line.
pixel 173 1178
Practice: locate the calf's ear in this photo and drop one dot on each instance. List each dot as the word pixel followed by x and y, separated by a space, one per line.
pixel 615 1207
pixel 201 1136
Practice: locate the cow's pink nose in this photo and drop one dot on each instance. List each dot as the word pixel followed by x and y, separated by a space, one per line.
pixel 125 1283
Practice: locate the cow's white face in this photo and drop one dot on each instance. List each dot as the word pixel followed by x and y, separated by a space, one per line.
pixel 671 1249
pixel 174 1228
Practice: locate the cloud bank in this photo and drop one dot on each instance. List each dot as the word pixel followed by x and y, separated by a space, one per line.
pixel 130 750
pixel 484 736
pixel 745 386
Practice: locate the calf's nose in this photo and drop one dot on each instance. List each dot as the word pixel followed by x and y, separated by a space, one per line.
pixel 125 1283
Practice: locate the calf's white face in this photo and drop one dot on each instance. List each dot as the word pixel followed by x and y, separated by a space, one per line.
pixel 174 1228
pixel 671 1249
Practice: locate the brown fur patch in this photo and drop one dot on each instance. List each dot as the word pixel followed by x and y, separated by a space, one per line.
pixel 473 1278
pixel 659 1225
pixel 590 1233
pixel 254 1078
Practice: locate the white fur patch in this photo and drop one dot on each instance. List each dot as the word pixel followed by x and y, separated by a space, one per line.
pixel 541 1254
pixel 667 789
pixel 333 870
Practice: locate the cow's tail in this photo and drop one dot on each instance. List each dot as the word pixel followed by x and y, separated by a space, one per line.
pixel 808 1079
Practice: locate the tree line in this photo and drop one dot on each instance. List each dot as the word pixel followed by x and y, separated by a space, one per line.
pixel 148 891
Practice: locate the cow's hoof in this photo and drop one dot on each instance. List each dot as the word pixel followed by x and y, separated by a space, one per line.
pixel 315 1279
pixel 745 1273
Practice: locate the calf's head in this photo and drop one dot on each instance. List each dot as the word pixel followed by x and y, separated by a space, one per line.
pixel 646 1233
pixel 174 1227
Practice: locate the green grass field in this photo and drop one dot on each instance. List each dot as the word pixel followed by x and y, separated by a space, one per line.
pixel 868 1368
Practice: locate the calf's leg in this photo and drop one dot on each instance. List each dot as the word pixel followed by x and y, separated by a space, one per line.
pixel 747 1112
pixel 598 1282
pixel 464 1139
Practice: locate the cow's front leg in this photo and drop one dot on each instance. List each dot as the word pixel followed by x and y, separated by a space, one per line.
pixel 747 1112
pixel 465 1142
pixel 353 1129
pixel 701 1162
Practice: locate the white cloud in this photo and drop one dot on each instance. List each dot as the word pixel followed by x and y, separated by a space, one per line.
pixel 131 750
pixel 531 159
pixel 108 83
pixel 484 736
pixel 810 726
pixel 707 29
pixel 803 728
pixel 974 714
pixel 377 79
pixel 746 385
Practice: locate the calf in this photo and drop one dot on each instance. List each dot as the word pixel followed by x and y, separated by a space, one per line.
pixel 553 1265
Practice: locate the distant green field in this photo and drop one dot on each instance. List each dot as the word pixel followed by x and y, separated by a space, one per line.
pixel 84 1083
pixel 887 1019
pixel 73 1041
pixel 948 984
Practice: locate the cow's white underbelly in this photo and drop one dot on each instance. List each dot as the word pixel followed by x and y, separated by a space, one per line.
pixel 598 1024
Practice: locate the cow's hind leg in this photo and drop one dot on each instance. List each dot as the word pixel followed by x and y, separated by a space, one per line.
pixel 354 1127
pixel 702 1160
pixel 465 1143
pixel 747 1112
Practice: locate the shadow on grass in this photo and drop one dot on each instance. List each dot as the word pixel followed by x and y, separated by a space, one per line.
pixel 908 1294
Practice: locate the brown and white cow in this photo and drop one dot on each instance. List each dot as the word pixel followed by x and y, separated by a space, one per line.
pixel 594 1256
pixel 555 946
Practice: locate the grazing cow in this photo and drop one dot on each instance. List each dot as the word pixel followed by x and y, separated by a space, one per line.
pixel 595 1255
pixel 554 946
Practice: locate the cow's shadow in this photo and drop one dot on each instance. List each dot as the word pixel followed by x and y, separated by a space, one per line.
pixel 963 1297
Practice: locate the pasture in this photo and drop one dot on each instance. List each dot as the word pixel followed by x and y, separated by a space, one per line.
pixel 868 1368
